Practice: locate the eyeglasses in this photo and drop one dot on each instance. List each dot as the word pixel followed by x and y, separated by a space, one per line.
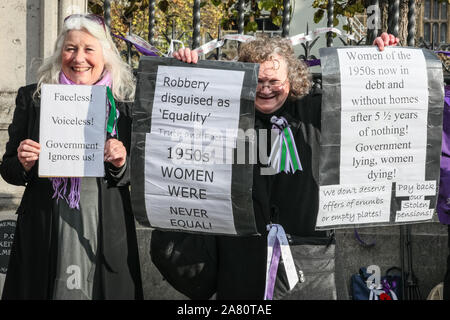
pixel 90 16
pixel 273 85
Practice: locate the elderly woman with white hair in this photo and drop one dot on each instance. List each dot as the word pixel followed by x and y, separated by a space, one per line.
pixel 75 237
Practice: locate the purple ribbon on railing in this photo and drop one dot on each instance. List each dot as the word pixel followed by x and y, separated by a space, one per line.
pixel 312 63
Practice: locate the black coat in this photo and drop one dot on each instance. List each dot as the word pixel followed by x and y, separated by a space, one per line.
pixel 288 199
pixel 32 264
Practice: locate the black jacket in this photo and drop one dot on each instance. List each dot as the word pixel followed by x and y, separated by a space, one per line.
pixel 32 263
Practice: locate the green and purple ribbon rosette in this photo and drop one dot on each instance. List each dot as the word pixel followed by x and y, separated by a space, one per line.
pixel 384 291
pixel 284 155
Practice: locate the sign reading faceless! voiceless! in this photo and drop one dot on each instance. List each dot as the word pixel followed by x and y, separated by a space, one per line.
pixel 381 136
pixel 185 127
pixel 7 229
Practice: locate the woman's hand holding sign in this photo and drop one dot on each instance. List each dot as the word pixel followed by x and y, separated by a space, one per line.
pixel 115 153
pixel 28 153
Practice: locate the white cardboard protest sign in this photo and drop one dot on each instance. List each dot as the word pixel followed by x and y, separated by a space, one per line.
pixel 384 104
pixel 72 130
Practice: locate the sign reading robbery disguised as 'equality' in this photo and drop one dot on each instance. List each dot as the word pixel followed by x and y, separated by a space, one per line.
pixel 381 136
pixel 185 127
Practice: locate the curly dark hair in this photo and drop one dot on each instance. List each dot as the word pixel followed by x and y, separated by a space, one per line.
pixel 263 49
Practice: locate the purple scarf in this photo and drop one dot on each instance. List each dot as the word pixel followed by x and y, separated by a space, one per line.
pixel 60 184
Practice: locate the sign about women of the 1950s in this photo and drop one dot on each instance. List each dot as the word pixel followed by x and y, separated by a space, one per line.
pixel 72 130
pixel 185 126
pixel 381 136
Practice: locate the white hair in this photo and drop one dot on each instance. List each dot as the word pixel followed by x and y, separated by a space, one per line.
pixel 123 81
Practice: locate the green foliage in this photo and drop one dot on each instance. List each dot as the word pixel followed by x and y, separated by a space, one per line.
pixel 254 9
pixel 343 8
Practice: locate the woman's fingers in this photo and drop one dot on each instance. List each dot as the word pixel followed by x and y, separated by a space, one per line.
pixel 386 38
pixel 186 55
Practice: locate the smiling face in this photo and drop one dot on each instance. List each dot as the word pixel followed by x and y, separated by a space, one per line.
pixel 82 57
pixel 273 85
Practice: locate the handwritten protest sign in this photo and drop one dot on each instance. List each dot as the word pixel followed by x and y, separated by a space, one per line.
pixel 188 180
pixel 387 137
pixel 72 130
